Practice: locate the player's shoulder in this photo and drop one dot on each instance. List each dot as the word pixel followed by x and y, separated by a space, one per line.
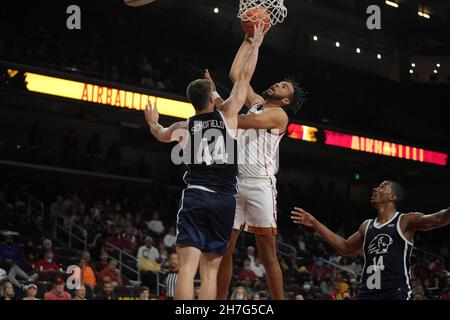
pixel 410 216
pixel 364 225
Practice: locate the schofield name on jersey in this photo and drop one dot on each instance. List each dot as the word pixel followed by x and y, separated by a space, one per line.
pixel 202 125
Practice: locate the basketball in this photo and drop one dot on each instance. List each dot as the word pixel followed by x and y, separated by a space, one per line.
pixel 252 17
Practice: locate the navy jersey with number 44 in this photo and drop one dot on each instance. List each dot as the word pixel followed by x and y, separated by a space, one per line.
pixel 211 153
pixel 387 259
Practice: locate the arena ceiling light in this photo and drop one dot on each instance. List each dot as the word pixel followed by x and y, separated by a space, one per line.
pixel 411 71
pixel 315 38
pixel 337 44
pixel 438 65
pixel 392 4
pixel 423 14
pixel 358 50
pixel 216 10
pixel 435 71
pixel 379 56
pixel 413 65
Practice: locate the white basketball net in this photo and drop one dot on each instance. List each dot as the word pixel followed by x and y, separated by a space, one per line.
pixel 275 8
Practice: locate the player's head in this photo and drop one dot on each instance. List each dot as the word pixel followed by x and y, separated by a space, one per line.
pixel 288 93
pixel 199 94
pixel 388 191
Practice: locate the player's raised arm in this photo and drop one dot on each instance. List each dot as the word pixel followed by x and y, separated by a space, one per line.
pixel 240 88
pixel 252 98
pixel 274 118
pixel 218 101
pixel 417 221
pixel 166 135
pixel 343 246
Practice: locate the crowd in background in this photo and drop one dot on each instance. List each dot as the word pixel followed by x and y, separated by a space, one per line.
pixel 32 259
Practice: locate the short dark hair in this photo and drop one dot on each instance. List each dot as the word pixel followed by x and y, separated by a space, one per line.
pixel 298 97
pixel 142 289
pixel 398 191
pixel 198 92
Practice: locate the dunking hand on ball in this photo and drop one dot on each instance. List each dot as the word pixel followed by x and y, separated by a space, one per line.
pixel 258 35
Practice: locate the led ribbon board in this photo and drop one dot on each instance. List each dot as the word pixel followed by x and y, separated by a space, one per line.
pixel 119 98
pixel 105 95
pixel 369 145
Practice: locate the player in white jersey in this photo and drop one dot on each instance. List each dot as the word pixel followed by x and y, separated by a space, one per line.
pixel 256 209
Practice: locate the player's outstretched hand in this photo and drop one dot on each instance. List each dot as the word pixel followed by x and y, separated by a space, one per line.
pixel 258 35
pixel 151 113
pixel 300 216
pixel 208 77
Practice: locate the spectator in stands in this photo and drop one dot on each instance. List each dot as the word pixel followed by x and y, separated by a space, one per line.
pixel 340 280
pixel 31 253
pixel 163 256
pixel 299 297
pixel 144 293
pixel 251 255
pixel 354 288
pixel 15 271
pixel 58 292
pixel 256 296
pixel 240 293
pixel 103 261
pixel 445 295
pixel 107 292
pixel 111 272
pixel 301 243
pixel 11 254
pixel 148 258
pixel 155 225
pixel 57 208
pixel 129 245
pixel 80 293
pixel 47 264
pixel 114 238
pixel 337 293
pixel 172 276
pixel 356 266
pixel 86 256
pixel 170 238
pixel 47 245
pixel 9 251
pixel 148 251
pixel 87 274
pixel 309 291
pixel 31 292
pixel 7 291
pixel 258 268
pixel 246 276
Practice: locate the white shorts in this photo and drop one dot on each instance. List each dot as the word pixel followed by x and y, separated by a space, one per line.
pixel 256 205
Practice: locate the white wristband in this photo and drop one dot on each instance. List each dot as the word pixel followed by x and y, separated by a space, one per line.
pixel 216 95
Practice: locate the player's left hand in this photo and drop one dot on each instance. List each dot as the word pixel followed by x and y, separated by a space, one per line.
pixel 151 113
pixel 300 216
pixel 208 77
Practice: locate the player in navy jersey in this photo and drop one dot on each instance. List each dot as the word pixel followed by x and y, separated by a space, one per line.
pixel 386 241
pixel 208 146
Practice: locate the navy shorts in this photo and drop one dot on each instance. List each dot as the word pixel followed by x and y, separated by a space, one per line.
pixel 402 293
pixel 205 220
